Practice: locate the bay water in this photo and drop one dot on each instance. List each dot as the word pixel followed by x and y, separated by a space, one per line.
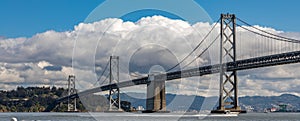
pixel 147 117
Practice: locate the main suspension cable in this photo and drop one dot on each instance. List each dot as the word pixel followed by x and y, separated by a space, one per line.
pixel 99 78
pixel 267 35
pixel 195 47
pixel 291 39
pixel 202 52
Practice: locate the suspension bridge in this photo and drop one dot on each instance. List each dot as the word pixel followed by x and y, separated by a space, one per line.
pixel 269 49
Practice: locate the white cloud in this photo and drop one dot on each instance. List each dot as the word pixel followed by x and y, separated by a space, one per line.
pixel 23 59
pixel 29 74
pixel 43 64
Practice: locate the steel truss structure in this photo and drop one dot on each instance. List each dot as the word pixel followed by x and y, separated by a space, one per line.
pixel 114 93
pixel 71 91
pixel 228 97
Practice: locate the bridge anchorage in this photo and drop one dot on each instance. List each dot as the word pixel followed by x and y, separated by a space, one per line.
pixel 156 94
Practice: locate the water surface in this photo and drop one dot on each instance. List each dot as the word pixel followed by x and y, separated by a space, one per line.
pixel 146 117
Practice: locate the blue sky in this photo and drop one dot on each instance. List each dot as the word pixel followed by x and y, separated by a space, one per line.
pixel 21 18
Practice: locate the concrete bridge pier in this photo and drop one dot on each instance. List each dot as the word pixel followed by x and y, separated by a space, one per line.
pixel 156 95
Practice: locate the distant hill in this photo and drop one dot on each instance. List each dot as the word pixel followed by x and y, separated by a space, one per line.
pixel 183 102
pixel 259 103
pixel 174 102
pixel 36 99
pixel 32 99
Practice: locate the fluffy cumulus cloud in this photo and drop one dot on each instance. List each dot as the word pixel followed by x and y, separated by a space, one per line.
pixel 30 74
pixel 47 58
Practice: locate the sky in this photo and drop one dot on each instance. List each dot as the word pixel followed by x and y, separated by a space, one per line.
pixel 40 41
pixel 21 18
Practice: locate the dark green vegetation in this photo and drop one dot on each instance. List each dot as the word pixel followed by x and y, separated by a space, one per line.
pixel 32 99
pixel 37 99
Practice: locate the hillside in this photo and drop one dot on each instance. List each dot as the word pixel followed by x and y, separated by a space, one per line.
pixel 259 103
pixel 36 99
pixel 32 99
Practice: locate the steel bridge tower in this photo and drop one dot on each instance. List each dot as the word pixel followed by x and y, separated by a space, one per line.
pixel 71 91
pixel 228 97
pixel 114 94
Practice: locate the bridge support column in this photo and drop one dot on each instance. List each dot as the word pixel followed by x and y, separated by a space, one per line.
pixel 228 97
pixel 114 93
pixel 156 94
pixel 71 91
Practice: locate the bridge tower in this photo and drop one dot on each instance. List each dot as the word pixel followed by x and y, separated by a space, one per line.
pixel 114 94
pixel 71 91
pixel 228 95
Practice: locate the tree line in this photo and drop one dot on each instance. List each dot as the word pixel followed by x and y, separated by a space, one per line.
pixel 32 99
